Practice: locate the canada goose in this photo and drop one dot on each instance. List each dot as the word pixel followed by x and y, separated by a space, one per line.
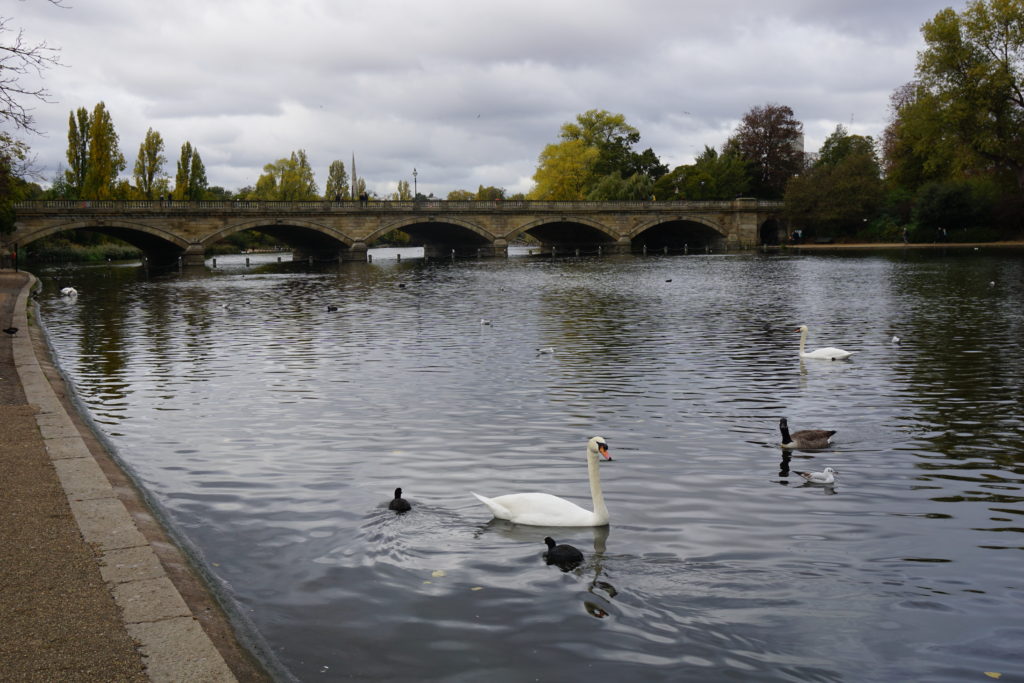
pixel 805 438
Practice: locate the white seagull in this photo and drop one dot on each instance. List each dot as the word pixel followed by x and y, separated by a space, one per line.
pixel 826 477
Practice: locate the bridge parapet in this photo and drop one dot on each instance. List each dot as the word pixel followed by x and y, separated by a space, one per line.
pixel 94 206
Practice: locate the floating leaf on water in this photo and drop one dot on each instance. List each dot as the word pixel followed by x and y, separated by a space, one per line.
pixel 477 588
pixel 993 674
pixel 428 582
pixel 437 573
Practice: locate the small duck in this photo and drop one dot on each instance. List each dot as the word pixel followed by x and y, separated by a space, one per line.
pixel 826 477
pixel 399 504
pixel 331 309
pixel 11 330
pixel 805 438
pixel 566 557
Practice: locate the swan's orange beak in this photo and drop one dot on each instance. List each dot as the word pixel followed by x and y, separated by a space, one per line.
pixel 603 450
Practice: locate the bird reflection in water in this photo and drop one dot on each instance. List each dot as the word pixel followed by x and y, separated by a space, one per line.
pixel 784 465
pixel 601 591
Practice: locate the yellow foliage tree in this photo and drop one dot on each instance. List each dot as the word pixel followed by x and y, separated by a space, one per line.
pixel 564 171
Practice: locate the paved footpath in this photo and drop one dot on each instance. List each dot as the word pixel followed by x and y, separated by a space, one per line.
pixel 91 587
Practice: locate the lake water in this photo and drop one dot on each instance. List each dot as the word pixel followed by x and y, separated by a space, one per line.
pixel 271 432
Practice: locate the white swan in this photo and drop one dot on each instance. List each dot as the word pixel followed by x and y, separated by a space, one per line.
pixel 827 353
pixel 69 291
pixel 544 509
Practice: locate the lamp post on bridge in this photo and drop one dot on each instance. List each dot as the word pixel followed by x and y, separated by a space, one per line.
pixel 415 189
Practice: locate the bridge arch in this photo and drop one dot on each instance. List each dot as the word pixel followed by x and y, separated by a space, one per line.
pixel 567 232
pixel 482 235
pixel 310 233
pixel 678 233
pixel 140 235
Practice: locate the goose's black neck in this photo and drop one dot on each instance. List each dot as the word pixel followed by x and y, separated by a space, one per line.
pixel 784 428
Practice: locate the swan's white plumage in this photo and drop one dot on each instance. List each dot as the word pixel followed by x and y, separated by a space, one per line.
pixel 69 291
pixel 544 509
pixel 827 353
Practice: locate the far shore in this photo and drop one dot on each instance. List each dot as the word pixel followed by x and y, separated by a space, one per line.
pixel 900 245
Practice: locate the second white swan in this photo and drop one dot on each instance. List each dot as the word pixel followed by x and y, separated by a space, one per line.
pixel 544 509
pixel 827 353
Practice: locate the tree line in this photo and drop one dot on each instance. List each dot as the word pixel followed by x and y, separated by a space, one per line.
pixel 949 162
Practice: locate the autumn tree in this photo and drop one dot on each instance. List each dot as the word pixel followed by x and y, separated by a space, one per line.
pixel 190 180
pixel 461 195
pixel 337 186
pixel 403 193
pixel 770 140
pixel 105 160
pixel 596 145
pixel 565 171
pixel 288 179
pixel 149 166
pixel 489 193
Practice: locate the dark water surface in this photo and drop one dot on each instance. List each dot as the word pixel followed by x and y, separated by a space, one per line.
pixel 272 433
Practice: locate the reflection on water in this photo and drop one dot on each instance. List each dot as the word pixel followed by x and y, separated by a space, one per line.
pixel 273 430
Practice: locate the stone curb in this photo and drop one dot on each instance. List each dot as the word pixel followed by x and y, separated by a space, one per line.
pixel 171 640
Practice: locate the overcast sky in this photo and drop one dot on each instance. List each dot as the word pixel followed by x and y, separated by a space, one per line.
pixel 467 92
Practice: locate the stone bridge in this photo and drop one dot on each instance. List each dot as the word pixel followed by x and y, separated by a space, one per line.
pixel 172 231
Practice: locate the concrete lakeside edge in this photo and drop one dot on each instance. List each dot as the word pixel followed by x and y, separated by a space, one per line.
pixel 1010 244
pixel 167 609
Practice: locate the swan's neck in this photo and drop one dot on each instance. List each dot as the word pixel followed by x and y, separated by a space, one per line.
pixel 803 339
pixel 594 470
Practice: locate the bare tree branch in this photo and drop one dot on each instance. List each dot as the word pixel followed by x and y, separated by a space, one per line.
pixel 19 60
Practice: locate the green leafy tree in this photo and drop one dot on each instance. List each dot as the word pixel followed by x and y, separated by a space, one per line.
pixel 197 181
pixel 78 151
pixel 770 140
pixel 149 166
pixel 461 195
pixel 105 159
pixel 971 83
pixel 712 176
pixel 842 191
pixel 338 186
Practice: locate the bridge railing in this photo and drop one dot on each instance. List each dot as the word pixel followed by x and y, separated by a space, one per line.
pixel 427 205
